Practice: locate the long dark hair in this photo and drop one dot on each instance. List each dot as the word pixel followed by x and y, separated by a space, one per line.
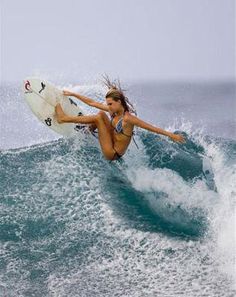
pixel 117 93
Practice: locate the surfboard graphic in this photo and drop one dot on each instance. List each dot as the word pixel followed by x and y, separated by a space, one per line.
pixel 42 97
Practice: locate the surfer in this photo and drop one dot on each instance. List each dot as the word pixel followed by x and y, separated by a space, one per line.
pixel 115 133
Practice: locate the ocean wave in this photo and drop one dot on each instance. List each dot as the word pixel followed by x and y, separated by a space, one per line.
pixel 67 213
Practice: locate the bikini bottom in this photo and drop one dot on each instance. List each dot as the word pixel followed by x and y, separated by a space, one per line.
pixel 116 156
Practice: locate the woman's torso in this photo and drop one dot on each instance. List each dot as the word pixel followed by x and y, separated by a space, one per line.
pixel 122 137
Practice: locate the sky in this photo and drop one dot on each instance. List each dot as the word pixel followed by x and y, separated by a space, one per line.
pixel 132 40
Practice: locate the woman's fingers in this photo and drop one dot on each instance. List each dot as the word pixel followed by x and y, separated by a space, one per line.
pixel 66 93
pixel 178 138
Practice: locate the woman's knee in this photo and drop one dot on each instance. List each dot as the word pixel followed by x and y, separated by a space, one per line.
pixel 101 112
pixel 102 116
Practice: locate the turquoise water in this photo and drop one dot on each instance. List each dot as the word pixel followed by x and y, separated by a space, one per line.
pixel 73 224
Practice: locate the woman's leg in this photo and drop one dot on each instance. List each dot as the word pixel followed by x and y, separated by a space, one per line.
pixel 106 120
pixel 105 135
pixel 104 131
pixel 61 117
pixel 115 155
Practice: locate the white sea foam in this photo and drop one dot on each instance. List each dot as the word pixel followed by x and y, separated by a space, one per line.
pixel 92 250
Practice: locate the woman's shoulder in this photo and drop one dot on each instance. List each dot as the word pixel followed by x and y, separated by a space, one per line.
pixel 128 115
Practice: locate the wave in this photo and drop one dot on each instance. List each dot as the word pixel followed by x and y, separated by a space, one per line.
pixel 62 202
pixel 165 189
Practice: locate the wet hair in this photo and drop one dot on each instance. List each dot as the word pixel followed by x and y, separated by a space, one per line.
pixel 117 93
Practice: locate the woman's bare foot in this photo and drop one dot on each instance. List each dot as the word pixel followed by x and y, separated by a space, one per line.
pixel 60 115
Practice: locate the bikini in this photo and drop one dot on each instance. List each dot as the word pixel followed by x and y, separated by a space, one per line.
pixel 119 129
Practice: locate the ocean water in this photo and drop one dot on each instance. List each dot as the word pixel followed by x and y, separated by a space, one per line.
pixel 155 224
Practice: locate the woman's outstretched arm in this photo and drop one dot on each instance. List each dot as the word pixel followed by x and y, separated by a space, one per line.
pixel 140 123
pixel 86 100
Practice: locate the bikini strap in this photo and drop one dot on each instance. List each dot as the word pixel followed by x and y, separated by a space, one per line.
pixel 133 133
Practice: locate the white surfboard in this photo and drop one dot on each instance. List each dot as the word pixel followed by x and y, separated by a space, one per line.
pixel 42 97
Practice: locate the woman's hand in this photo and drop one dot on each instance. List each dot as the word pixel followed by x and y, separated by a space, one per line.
pixel 177 137
pixel 68 93
pixel 60 115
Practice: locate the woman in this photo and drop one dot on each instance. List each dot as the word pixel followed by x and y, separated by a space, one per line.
pixel 115 133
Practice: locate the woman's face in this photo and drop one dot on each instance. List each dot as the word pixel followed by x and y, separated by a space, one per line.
pixel 113 105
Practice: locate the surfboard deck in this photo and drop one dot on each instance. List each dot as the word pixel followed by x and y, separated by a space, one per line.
pixel 42 97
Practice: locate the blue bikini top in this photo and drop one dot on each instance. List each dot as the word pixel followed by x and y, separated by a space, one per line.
pixel 119 128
